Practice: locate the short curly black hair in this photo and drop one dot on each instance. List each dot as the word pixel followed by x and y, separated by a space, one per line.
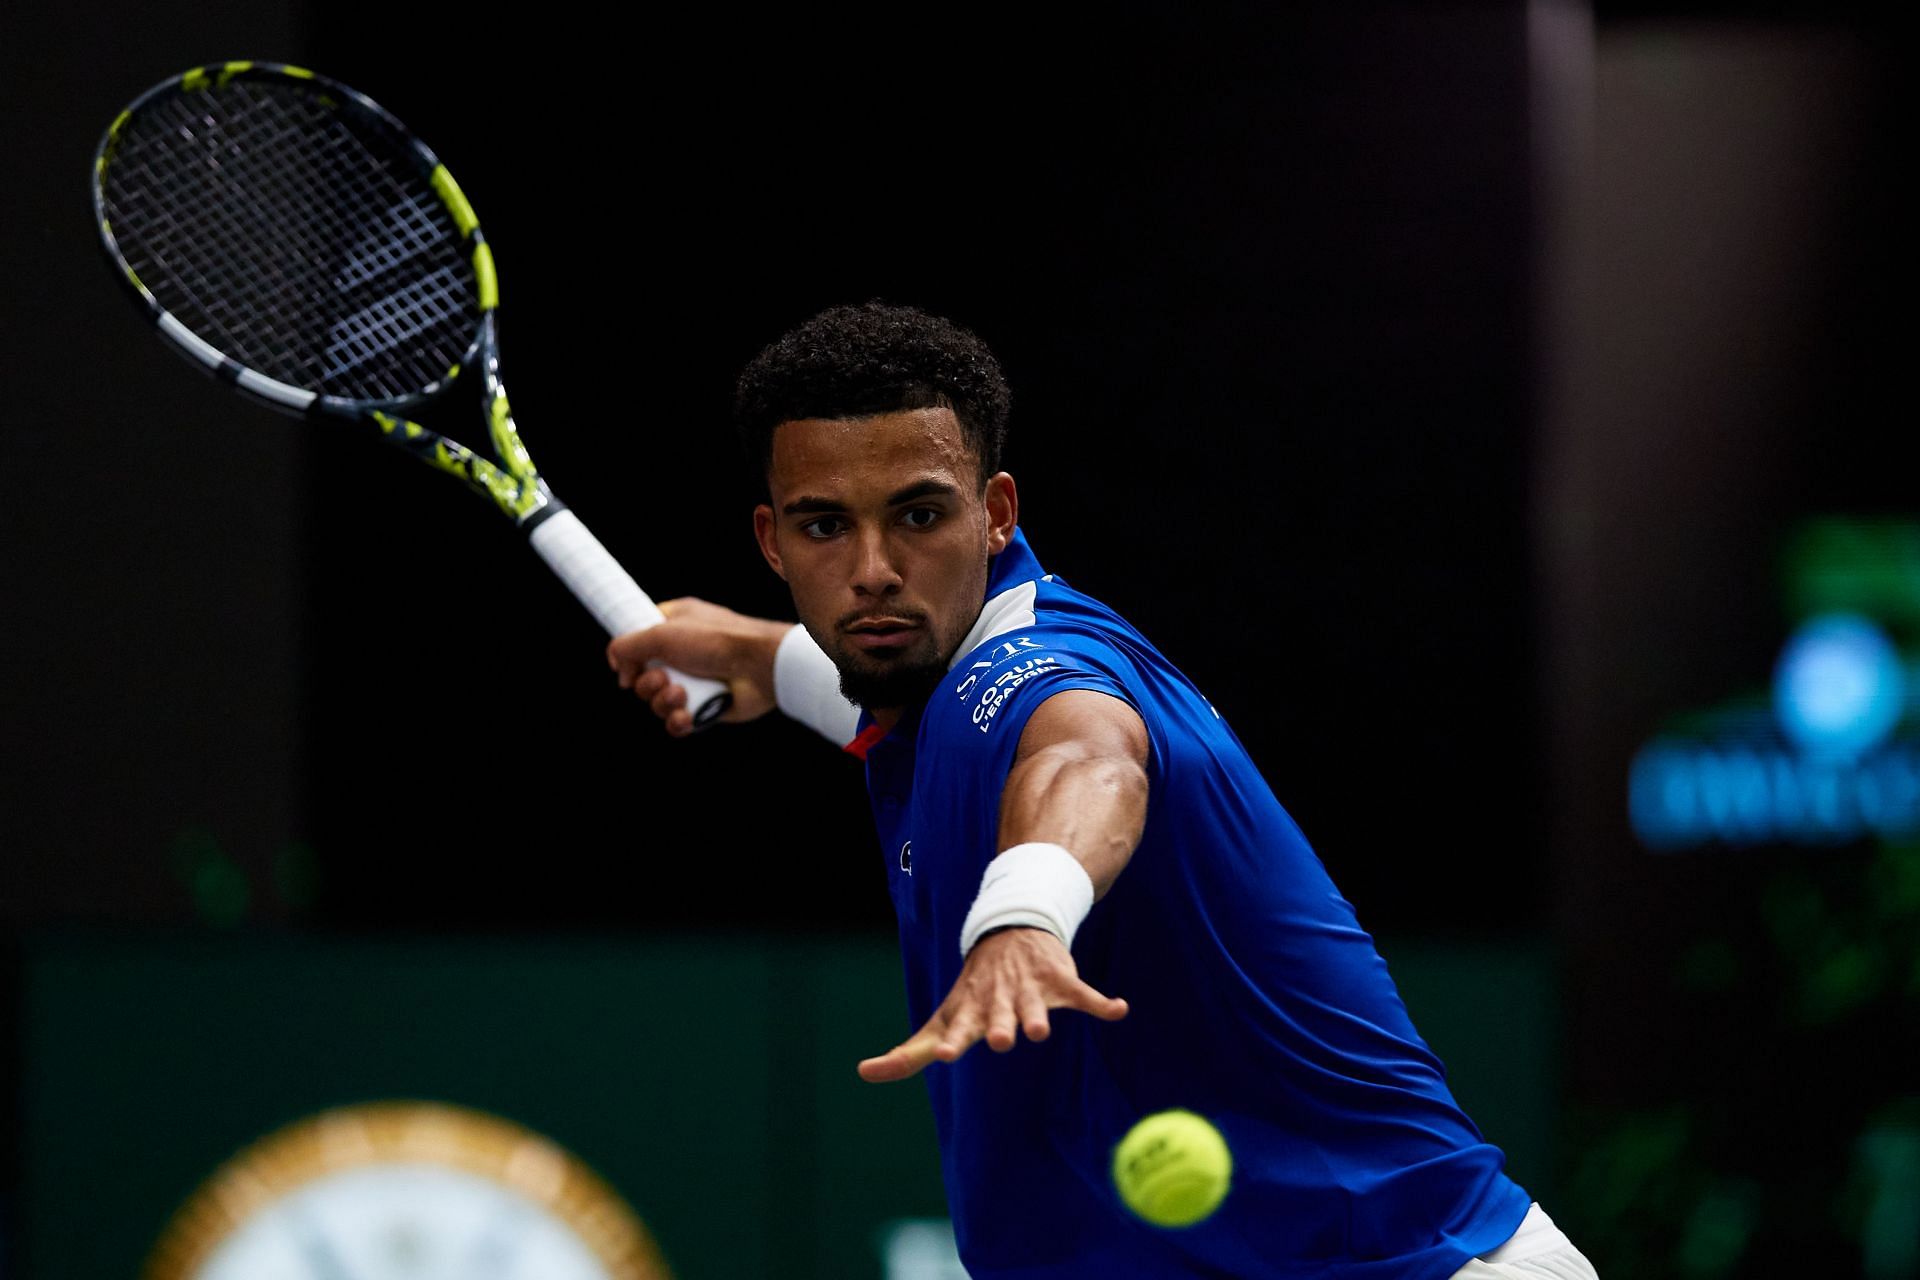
pixel 853 361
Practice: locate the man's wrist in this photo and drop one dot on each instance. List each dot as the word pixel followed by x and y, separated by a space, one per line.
pixel 1037 886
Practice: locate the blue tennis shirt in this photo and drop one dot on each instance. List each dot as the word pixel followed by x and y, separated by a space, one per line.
pixel 1255 997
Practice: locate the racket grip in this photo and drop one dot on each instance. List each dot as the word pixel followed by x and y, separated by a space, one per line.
pixel 616 600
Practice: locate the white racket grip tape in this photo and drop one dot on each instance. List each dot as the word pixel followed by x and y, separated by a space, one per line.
pixel 616 600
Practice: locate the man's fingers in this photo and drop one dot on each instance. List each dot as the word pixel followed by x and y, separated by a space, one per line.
pixel 633 650
pixel 1033 1018
pixel 630 668
pixel 904 1059
pixel 687 645
pixel 894 1064
pixel 997 1009
pixel 1105 1008
pixel 1001 1023
pixel 666 695
pixel 664 698
pixel 963 1027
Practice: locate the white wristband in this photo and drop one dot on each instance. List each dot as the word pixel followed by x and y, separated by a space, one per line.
pixel 1038 885
pixel 806 685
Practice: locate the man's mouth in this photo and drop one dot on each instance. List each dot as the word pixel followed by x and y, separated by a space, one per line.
pixel 879 634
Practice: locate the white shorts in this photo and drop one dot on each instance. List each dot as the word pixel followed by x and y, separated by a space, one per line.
pixel 1537 1250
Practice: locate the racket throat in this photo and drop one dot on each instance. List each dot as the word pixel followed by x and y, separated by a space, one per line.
pixel 548 507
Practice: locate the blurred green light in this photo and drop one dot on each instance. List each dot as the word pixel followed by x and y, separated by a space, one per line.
pixel 1852 565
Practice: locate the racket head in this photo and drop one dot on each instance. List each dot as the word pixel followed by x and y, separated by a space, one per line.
pixel 294 238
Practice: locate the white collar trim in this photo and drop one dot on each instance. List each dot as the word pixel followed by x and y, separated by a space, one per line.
pixel 1011 610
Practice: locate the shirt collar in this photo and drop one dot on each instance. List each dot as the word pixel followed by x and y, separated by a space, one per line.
pixel 1011 584
pixel 1012 578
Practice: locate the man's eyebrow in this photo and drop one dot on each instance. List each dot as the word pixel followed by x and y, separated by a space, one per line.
pixel 808 505
pixel 924 489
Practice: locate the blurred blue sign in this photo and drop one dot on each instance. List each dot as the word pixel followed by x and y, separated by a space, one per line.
pixel 1833 754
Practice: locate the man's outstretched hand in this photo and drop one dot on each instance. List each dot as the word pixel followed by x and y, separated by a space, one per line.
pixel 1011 980
pixel 700 639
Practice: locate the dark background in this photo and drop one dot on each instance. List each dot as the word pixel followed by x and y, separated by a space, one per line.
pixel 1435 383
pixel 1267 342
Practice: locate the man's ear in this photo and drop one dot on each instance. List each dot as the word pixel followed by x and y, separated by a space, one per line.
pixel 763 534
pixel 1003 512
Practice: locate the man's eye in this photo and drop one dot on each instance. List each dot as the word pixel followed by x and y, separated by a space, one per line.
pixel 919 517
pixel 822 526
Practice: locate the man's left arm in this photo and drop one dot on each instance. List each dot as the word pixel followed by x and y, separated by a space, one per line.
pixel 1073 808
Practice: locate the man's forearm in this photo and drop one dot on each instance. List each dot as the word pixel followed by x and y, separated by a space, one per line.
pixel 1093 805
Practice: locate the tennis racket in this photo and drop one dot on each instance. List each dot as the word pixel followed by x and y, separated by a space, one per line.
pixel 294 239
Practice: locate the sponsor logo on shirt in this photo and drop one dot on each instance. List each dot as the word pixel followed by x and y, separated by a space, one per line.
pixel 973 678
pixel 1004 668
pixel 994 657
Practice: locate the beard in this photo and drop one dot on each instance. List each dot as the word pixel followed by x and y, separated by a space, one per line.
pixel 903 683
pixel 889 679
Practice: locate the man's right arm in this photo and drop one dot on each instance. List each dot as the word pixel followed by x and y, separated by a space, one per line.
pixel 764 663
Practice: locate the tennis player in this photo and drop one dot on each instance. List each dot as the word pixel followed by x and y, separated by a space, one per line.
pixel 1090 874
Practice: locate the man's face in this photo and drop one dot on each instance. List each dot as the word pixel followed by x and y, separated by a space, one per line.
pixel 881 527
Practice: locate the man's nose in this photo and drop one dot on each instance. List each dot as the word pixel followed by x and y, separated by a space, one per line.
pixel 874 572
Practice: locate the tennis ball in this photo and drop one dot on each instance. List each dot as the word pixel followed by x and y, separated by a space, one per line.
pixel 1172 1168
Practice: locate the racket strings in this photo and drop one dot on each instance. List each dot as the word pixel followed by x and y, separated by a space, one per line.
pixel 300 239
pixel 229 252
